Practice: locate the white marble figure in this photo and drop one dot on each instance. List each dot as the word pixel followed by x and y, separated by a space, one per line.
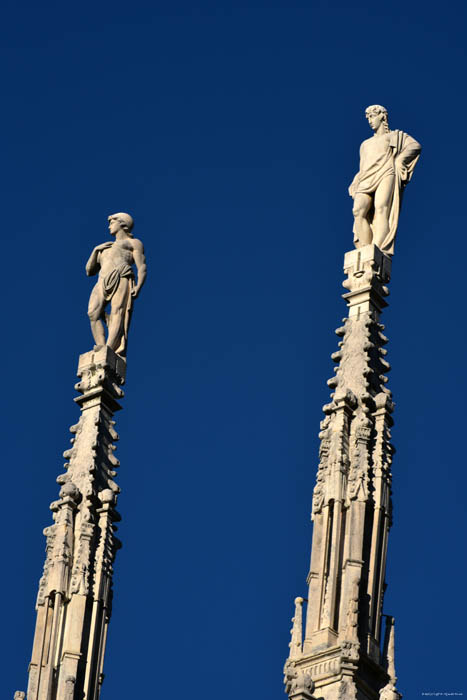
pixel 387 161
pixel 116 284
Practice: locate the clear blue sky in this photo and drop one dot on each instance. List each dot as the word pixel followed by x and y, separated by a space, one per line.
pixel 230 131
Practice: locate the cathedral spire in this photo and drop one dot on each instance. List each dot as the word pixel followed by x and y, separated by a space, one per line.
pixel 74 601
pixel 75 592
pixel 351 509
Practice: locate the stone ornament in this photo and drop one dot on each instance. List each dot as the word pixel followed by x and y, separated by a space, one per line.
pixel 70 687
pixel 116 284
pixel 347 690
pixel 387 162
pixel 389 692
pixel 352 512
pixel 74 603
pixel 298 683
pixel 296 632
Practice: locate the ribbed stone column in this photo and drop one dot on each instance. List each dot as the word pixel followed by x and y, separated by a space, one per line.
pixel 75 592
pixel 340 647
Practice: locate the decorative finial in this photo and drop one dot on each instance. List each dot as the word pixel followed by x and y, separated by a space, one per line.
pixel 296 631
pixel 298 682
pixel 389 692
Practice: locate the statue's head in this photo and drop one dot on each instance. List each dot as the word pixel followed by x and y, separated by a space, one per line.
pixel 119 222
pixel 377 115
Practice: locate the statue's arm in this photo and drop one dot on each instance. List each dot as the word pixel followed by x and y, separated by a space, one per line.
pixel 410 151
pixel 407 158
pixel 141 267
pixel 93 264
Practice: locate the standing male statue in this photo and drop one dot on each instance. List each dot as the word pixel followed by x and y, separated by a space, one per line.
pixel 387 161
pixel 113 261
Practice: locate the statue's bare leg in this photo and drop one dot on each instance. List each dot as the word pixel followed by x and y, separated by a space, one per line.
pixel 361 207
pixel 383 197
pixel 95 311
pixel 116 320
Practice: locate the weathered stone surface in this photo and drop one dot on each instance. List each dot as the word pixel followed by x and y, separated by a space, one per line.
pixel 389 692
pixel 297 631
pixel 74 601
pixel 351 504
pixel 298 683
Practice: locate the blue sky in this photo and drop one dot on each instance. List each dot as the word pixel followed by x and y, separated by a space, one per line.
pixel 230 131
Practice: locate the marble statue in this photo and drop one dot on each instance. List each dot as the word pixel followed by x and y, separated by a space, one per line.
pixel 116 284
pixel 387 162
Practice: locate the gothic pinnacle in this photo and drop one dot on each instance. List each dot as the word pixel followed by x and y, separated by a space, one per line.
pixel 351 507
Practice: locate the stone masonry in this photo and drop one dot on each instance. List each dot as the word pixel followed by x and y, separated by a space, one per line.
pixel 336 652
pixel 74 601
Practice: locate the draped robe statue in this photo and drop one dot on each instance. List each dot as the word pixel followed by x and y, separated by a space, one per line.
pixel 387 162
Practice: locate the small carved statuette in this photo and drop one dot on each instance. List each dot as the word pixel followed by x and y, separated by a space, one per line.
pixel 19 695
pixel 298 683
pixel 350 650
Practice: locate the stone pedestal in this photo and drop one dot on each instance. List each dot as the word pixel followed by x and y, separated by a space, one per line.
pixel 75 592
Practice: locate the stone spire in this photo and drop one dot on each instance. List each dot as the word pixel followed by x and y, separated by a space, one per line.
pixel 389 691
pixel 351 506
pixel 74 601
